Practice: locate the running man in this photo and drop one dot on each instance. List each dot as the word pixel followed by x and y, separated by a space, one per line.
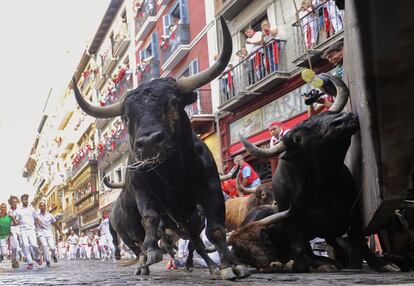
pixel 73 244
pixel 83 244
pixel 45 234
pixel 5 230
pixel 15 237
pixel 105 243
pixel 27 215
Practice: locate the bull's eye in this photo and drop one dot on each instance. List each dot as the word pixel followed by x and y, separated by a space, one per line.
pixel 174 102
pixel 297 139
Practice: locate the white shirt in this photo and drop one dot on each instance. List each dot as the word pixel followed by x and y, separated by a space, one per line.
pixel 15 229
pixel 26 217
pixel 251 47
pixel 73 239
pixel 104 227
pixel 83 240
pixel 45 224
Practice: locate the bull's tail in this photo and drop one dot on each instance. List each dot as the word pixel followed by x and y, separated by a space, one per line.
pixel 129 262
pixel 115 241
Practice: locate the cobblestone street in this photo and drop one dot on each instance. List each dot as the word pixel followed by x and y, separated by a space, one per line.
pixel 111 273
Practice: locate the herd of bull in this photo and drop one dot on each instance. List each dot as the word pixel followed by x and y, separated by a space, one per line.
pixel 172 187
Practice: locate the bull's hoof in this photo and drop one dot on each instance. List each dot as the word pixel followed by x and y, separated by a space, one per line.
pixel 276 266
pixel 142 271
pixel 288 266
pixel 153 256
pixel 326 268
pixel 241 271
pixel 189 269
pixel 227 274
pixel 389 268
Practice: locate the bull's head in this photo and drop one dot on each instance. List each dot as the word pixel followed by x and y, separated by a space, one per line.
pixel 154 112
pixel 331 129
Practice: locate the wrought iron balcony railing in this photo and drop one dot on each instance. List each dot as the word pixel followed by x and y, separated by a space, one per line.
pixel 181 36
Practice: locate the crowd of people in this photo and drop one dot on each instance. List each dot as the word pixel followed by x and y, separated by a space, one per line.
pixel 27 234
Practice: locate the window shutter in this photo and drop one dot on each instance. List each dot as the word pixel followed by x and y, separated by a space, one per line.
pixel 166 22
pixel 184 11
pixel 194 67
pixel 142 54
pixel 154 45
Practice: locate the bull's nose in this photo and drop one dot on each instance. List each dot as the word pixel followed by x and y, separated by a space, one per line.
pixel 152 139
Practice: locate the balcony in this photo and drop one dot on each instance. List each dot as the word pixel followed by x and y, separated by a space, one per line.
pixel 145 19
pixel 99 79
pixel 231 8
pixel 115 148
pixel 174 49
pixel 317 33
pixel 150 71
pixel 108 64
pixel 258 72
pixel 87 83
pixel 201 113
pixel 88 158
pixel 108 197
pixel 69 213
pixel 87 202
pixel 121 43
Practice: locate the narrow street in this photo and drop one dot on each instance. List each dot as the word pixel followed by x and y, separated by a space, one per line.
pixel 94 272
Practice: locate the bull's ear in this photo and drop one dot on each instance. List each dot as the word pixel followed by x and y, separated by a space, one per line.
pixel 189 98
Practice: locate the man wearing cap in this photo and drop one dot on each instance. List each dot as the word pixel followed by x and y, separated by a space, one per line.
pixel 45 234
pixel 26 216
pixel 247 175
pixel 334 54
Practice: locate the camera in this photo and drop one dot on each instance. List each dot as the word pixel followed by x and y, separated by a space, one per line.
pixel 312 96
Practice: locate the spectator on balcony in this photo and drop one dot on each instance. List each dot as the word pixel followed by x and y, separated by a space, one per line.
pixel 144 66
pixel 149 7
pixel 269 35
pixel 330 17
pixel 137 8
pixel 309 23
pixel 172 39
pixel 246 75
pixel 254 42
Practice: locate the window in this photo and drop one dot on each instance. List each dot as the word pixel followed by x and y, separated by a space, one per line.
pixel 191 69
pixel 118 175
pixel 151 49
pixel 178 14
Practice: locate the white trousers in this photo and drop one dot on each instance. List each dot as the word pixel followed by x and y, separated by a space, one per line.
pixel 29 241
pixel 3 247
pixel 47 243
pixel 84 251
pixel 15 245
pixel 96 253
pixel 73 251
pixel 106 245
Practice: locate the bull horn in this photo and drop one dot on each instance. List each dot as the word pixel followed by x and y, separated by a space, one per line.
pixel 342 93
pixel 262 153
pixel 191 83
pixel 95 111
pixel 274 218
pixel 113 185
pixel 245 191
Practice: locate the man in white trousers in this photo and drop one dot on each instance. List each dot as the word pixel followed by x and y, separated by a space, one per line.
pixel 84 244
pixel 45 234
pixel 105 243
pixel 15 237
pixel 27 215
pixel 73 244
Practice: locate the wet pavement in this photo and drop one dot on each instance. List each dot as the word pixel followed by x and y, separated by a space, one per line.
pixel 81 272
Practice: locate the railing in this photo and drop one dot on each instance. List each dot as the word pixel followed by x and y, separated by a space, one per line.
pixel 112 148
pixel 255 67
pixel 147 9
pixel 149 71
pixel 317 26
pixel 180 36
pixel 203 104
pixel 86 82
pixel 120 88
pixel 83 161
pixel 88 203
pixel 120 37
pixel 69 212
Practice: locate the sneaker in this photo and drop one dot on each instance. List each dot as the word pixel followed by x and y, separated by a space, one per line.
pixel 15 264
pixel 39 261
pixel 30 266
pixel 55 259
pixel 48 264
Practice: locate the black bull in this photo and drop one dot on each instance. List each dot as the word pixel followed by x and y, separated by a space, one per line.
pixel 315 193
pixel 171 169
